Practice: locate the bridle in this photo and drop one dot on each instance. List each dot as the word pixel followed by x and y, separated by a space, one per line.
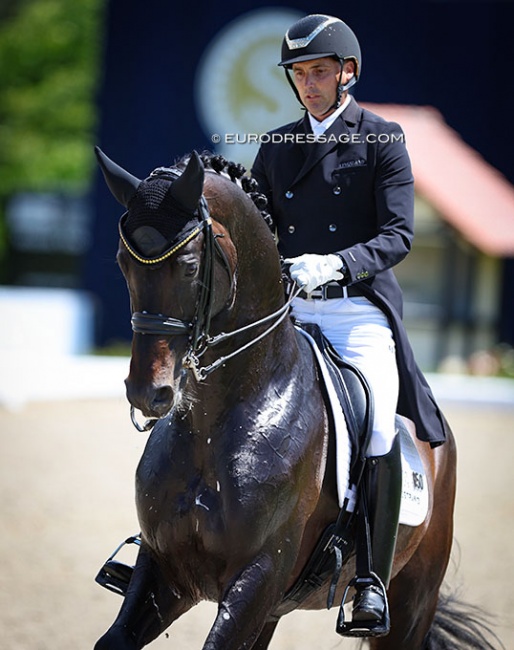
pixel 198 327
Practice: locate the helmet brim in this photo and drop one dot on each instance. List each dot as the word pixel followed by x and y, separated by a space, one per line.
pixel 307 57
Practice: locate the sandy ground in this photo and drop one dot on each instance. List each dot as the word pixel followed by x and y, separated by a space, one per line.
pixel 66 487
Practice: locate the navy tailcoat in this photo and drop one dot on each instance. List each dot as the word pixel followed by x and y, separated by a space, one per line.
pixel 352 193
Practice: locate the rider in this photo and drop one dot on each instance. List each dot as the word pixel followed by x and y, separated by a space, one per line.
pixel 340 191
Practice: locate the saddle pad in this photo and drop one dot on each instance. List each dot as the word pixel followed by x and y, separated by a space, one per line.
pixel 414 505
pixel 343 443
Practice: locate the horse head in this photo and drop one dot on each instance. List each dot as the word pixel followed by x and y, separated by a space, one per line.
pixel 163 238
pixel 180 256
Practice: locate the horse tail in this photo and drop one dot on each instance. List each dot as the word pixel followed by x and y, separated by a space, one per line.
pixel 459 625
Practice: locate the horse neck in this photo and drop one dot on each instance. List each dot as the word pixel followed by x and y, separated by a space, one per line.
pixel 259 289
pixel 248 382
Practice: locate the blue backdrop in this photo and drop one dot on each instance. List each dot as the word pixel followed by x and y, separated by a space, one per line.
pixel 456 56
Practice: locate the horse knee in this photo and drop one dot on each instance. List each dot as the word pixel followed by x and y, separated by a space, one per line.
pixel 117 638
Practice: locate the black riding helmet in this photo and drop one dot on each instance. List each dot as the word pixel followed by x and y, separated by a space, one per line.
pixel 317 36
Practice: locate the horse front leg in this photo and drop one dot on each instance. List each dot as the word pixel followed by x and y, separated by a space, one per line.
pixel 242 620
pixel 149 607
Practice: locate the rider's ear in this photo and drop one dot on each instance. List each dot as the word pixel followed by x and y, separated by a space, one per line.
pixel 348 70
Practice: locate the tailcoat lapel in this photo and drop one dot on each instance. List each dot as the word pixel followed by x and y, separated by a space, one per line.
pixel 315 151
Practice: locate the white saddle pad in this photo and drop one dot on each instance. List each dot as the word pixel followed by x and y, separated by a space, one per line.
pixel 414 505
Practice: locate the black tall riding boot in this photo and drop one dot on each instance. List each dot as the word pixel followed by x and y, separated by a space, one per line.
pixel 383 491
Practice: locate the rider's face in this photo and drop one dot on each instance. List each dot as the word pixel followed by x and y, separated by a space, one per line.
pixel 317 81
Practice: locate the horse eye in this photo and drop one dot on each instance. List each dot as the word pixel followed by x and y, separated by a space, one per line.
pixel 190 269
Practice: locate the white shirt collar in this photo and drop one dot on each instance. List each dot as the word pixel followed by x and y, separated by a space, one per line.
pixel 318 128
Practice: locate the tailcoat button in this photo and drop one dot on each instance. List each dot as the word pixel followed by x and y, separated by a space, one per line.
pixel 291 229
pixel 337 190
pixel 289 194
pixel 332 227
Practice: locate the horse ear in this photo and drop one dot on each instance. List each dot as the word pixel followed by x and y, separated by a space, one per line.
pixel 122 184
pixel 187 188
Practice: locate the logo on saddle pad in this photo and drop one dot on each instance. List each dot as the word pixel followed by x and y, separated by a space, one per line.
pixel 414 507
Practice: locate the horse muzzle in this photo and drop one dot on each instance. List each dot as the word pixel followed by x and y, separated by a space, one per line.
pixel 153 384
pixel 153 401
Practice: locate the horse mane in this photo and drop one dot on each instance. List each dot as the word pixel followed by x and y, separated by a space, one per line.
pixel 237 174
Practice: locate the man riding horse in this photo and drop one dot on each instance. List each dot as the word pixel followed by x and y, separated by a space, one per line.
pixel 340 191
pixel 235 490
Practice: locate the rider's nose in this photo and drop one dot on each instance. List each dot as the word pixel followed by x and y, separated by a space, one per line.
pixel 309 81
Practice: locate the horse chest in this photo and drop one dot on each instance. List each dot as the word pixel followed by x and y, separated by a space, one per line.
pixel 198 492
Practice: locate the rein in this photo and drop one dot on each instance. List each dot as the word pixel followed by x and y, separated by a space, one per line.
pixel 192 361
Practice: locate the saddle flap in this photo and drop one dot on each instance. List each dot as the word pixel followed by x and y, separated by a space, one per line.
pixel 353 392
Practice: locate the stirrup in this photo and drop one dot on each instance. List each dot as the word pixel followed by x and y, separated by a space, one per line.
pixel 364 628
pixel 115 576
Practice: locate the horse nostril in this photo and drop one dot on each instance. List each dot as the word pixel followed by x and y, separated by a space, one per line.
pixel 162 400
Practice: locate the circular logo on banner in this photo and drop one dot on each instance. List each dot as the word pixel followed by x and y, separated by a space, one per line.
pixel 241 92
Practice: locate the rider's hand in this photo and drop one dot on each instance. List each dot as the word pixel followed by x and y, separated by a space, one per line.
pixel 310 271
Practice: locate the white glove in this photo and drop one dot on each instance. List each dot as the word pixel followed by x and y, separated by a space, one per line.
pixel 310 271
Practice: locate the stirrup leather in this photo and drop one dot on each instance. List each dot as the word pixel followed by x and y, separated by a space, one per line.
pixel 114 575
pixel 364 628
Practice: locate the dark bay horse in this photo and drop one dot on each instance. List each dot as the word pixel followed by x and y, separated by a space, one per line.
pixel 237 481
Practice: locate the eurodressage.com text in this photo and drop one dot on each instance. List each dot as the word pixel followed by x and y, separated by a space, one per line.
pixel 307 138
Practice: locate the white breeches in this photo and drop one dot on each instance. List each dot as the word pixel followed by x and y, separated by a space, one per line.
pixel 361 334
